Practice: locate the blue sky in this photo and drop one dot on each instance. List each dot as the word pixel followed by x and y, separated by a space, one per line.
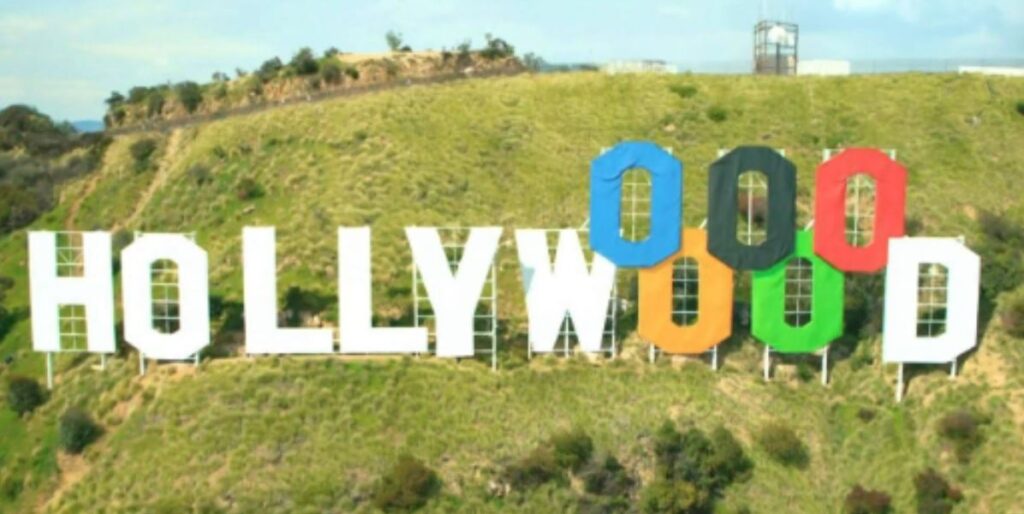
pixel 65 57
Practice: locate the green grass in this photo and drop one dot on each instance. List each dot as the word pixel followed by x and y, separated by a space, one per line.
pixel 313 434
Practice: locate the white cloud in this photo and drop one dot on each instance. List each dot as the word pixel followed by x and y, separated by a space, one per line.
pixel 14 27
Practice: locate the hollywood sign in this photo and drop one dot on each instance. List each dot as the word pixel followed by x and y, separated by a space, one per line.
pixel 569 286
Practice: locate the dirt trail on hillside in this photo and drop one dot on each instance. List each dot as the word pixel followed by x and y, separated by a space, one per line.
pixel 76 204
pixel 163 172
pixel 73 468
pixel 87 189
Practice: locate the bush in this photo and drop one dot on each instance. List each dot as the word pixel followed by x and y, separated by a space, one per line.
pixel 77 430
pixel 269 69
pixel 407 486
pixel 190 95
pixel 114 99
pixel 249 189
pixel 999 247
pixel 710 463
pixel 200 174
pixel 717 113
pixel 330 71
pixel 352 72
pixel 141 152
pixel 804 371
pixel 531 61
pixel 537 468
pixel 673 497
pixel 496 48
pixel 962 428
pixel 728 461
pixel 683 90
pixel 331 52
pixel 782 445
pixel 934 494
pixel 607 477
pixel 394 40
pixel 138 94
pixel 24 394
pixel 304 63
pixel 1020 107
pixel 866 501
pixel 155 103
pixel 572 449
pixel 549 461
pixel 1012 316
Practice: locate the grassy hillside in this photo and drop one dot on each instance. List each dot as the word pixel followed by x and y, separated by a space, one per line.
pixel 313 434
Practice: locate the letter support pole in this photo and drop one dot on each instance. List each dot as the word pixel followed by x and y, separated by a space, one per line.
pixel 767 363
pixel 49 370
pixel 824 367
pixel 899 384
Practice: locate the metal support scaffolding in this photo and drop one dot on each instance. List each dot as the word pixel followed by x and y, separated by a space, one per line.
pixel 609 343
pixel 71 318
pixel 485 319
pixel 164 291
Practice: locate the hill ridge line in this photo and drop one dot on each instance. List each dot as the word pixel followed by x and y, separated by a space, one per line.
pixel 307 98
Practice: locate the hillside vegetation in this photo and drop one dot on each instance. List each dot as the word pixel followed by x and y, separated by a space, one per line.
pixel 304 76
pixel 315 434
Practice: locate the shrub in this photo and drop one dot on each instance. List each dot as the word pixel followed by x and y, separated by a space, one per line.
pixel 537 468
pixel 114 99
pixel 155 103
pixel 304 63
pixel 407 486
pixel 683 90
pixel 866 501
pixel 572 449
pixel 999 247
pixel 190 95
pixel 77 430
pixel 962 428
pixel 248 189
pixel 673 497
pixel 606 477
pixel 138 94
pixel 804 371
pixel 1020 107
pixel 728 461
pixel 219 90
pixel 24 394
pixel 331 52
pixel 394 40
pixel 531 61
pixel 496 48
pixel 200 174
pixel 330 71
pixel 1012 316
pixel 352 72
pixel 269 69
pixel 934 494
pixel 141 152
pixel 717 113
pixel 782 445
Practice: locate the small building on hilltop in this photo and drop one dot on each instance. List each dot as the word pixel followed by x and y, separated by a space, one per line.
pixel 638 66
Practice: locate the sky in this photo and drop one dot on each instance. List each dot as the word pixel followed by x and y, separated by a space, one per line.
pixel 64 57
